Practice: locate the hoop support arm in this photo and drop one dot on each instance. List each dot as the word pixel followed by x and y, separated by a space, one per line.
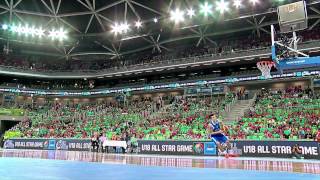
pixel 298 52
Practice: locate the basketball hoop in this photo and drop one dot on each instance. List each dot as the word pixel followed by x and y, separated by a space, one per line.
pixel 265 68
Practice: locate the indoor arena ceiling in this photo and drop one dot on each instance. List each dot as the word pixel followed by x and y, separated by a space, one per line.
pixel 90 24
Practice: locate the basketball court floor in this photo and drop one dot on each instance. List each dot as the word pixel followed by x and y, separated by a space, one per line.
pixel 70 165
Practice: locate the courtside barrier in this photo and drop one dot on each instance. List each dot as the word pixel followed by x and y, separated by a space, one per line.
pixel 49 144
pixel 279 149
pixel 177 147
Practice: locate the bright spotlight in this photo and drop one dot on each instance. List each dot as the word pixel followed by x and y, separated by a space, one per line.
pixel 61 34
pixel 39 32
pixel 138 24
pixel 191 13
pixel 254 2
pixel 19 29
pixel 120 28
pixel 206 9
pixel 124 27
pixel 155 20
pixel 13 28
pixel 32 31
pixel 222 6
pixel 237 3
pixel 57 34
pixel 177 16
pixel 25 30
pixel 116 29
pixel 53 34
pixel 5 27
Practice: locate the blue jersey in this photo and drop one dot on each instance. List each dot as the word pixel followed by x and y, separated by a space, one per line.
pixel 215 125
pixel 220 137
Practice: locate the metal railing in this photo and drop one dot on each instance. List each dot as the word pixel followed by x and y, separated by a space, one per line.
pixel 229 105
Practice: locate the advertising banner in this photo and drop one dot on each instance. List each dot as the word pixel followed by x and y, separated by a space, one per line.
pixel 299 62
pixel 11 112
pixel 176 147
pixel 27 144
pixel 73 144
pixel 49 144
pixel 278 149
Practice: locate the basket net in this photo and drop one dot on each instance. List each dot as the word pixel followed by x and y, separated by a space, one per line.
pixel 265 68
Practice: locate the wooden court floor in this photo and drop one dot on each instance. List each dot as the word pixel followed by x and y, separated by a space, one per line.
pixel 241 163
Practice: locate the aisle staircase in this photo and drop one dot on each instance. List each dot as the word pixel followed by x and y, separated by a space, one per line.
pixel 237 110
pixel 160 112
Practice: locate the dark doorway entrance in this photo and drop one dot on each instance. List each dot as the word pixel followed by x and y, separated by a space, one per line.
pixel 4 126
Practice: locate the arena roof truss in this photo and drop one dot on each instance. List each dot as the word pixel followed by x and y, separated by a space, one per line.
pixel 89 25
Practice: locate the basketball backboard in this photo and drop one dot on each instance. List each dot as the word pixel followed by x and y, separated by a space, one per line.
pixel 284 49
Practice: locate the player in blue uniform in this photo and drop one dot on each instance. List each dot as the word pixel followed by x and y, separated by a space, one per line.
pixel 217 135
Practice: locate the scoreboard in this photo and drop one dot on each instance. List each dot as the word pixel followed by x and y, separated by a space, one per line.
pixel 293 17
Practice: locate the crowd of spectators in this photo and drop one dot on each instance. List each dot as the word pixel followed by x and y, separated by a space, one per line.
pixel 81 120
pixel 292 113
pixel 54 85
pixel 145 118
pixel 144 58
pixel 286 114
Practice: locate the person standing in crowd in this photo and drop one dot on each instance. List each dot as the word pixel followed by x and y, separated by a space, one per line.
pixel 102 139
pixel 297 152
pixel 125 138
pixel 318 136
pixel 95 142
pixel 246 94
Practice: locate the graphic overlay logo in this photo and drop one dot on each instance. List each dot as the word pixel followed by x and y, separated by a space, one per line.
pixel 198 148
pixel 45 145
pixel 210 148
pixel 8 144
pixel 61 145
pixel 52 144
pixel 234 150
